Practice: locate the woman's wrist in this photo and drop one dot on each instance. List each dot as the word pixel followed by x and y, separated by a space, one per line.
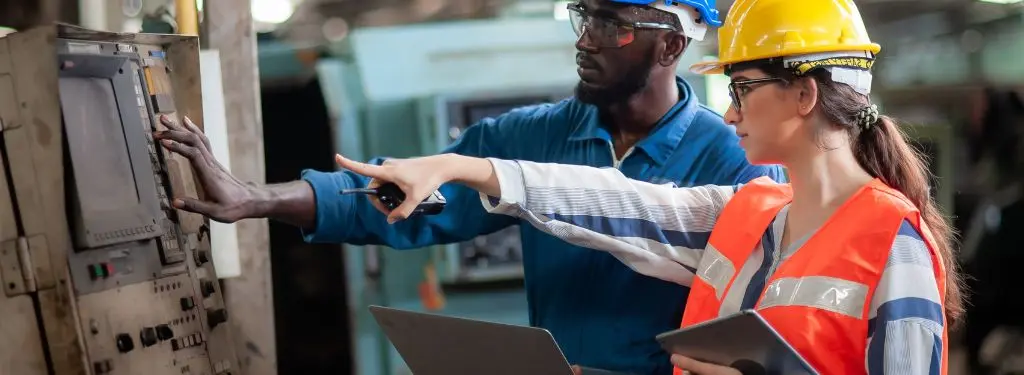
pixel 476 173
pixel 466 169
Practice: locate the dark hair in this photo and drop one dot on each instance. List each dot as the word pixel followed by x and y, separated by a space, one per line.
pixel 882 150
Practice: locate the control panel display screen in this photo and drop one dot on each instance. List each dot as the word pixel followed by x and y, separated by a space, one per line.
pixel 94 119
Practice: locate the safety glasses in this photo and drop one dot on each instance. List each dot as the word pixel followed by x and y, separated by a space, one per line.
pixel 739 89
pixel 605 32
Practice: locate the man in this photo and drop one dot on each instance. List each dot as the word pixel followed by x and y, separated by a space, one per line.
pixel 630 112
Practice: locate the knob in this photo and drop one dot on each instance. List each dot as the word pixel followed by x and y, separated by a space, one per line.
pixel 124 343
pixel 164 332
pixel 216 317
pixel 207 287
pixel 147 337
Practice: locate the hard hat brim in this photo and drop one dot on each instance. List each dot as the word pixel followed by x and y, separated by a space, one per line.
pixel 718 67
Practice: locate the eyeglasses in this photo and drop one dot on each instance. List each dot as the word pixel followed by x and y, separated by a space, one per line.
pixel 605 32
pixel 739 89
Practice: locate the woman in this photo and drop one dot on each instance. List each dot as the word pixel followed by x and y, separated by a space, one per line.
pixel 851 262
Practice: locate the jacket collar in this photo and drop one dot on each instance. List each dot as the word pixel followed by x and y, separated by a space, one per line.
pixel 667 133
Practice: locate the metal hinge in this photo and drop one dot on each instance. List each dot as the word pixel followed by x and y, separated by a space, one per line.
pixel 18 274
pixel 19 271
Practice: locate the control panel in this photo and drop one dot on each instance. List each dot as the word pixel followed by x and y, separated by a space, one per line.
pixel 158 258
pixel 118 275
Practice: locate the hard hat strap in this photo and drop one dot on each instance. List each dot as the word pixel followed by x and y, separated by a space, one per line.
pixel 851 62
pixel 689 19
pixel 852 68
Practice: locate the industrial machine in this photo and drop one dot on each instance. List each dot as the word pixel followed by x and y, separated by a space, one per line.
pixel 101 275
pixel 497 256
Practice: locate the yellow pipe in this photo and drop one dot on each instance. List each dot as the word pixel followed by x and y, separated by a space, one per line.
pixel 187 17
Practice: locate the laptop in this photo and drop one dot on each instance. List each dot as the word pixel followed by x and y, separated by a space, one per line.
pixel 434 344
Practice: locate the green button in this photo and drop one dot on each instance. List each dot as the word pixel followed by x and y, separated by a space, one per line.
pixel 95 271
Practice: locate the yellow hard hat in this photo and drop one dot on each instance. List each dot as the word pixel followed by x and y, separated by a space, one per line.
pixel 764 29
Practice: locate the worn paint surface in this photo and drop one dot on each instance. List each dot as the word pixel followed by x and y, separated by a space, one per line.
pixel 230 30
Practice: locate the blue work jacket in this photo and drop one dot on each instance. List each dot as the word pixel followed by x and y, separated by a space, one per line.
pixel 601 313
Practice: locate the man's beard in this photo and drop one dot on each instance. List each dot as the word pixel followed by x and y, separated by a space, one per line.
pixel 619 92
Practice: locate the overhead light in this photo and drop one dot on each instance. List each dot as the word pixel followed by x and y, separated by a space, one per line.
pixel 1001 1
pixel 272 11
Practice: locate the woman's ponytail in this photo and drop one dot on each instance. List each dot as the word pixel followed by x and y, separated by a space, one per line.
pixel 881 149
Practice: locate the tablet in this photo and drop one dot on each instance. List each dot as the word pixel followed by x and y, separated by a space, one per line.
pixel 743 340
pixel 444 345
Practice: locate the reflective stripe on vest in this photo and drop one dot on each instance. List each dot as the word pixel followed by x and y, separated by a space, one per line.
pixel 819 298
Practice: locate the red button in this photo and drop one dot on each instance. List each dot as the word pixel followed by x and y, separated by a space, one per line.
pixel 109 268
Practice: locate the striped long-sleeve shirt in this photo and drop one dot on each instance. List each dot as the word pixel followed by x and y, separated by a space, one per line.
pixel 662 230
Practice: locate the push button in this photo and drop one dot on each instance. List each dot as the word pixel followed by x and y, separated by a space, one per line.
pixel 207 288
pixel 187 303
pixel 102 367
pixel 164 332
pixel 216 317
pixel 100 270
pixel 124 343
pixel 147 337
pixel 96 271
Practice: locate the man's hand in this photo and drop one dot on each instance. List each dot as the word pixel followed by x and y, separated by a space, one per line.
pixel 576 370
pixel 227 199
pixel 692 366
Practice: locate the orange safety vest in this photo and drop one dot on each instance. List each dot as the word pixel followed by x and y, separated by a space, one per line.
pixel 837 269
